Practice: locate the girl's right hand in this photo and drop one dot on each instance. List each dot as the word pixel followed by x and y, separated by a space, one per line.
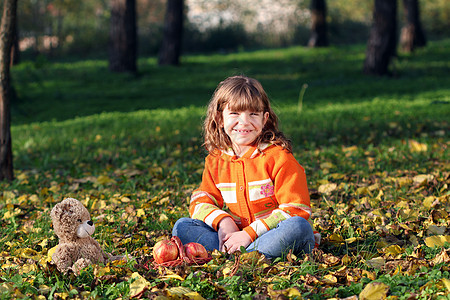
pixel 226 226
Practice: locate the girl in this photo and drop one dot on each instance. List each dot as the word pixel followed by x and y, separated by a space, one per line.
pixel 253 192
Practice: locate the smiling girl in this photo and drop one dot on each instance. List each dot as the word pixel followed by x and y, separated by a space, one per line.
pixel 253 192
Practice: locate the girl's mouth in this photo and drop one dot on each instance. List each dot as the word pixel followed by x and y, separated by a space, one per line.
pixel 242 130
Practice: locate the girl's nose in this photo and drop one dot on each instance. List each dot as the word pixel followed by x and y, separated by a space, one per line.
pixel 243 118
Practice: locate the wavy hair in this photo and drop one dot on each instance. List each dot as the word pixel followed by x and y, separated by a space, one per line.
pixel 240 93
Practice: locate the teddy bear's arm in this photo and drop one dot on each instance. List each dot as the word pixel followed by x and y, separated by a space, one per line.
pixel 91 250
pixel 64 257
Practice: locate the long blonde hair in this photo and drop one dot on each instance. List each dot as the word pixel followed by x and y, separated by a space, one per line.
pixel 240 93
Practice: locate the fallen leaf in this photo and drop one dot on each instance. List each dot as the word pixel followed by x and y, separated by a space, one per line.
pixel 437 240
pixel 327 188
pixel 279 294
pixel 393 250
pixel 374 291
pixel 376 262
pixel 423 179
pixel 172 276
pixel 181 292
pixel 139 285
pixel 446 283
pixel 415 146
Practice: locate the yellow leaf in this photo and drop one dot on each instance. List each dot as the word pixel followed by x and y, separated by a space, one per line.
pixel 363 190
pixel 350 149
pixel 29 253
pixel 226 271
pixel 43 243
pixel 139 285
pixel 423 179
pixel 327 188
pixel 415 146
pixel 446 283
pixel 104 180
pixel 437 240
pixel 326 165
pixel 50 253
pixel 351 240
pixel 163 218
pixel 172 276
pixel 27 268
pixel 289 293
pixel 63 296
pixel 100 271
pixel 140 212
pixel 44 289
pixel 376 262
pixel 336 238
pixel 346 259
pixel 393 250
pixel 329 279
pixel 428 201
pixel 11 214
pixel 374 291
pixel 179 292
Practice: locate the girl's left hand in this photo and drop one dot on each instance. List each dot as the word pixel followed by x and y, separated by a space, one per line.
pixel 234 241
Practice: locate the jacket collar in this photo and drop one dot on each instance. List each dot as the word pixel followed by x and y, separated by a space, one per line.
pixel 251 153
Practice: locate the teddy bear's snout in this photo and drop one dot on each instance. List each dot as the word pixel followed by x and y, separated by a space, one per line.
pixel 86 229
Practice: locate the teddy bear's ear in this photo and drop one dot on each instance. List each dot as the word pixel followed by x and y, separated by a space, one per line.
pixel 61 209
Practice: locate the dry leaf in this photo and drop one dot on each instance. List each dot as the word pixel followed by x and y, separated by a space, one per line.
pixel 437 240
pixel 139 285
pixel 374 291
pixel 376 263
pixel 327 188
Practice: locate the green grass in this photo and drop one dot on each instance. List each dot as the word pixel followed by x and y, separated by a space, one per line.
pixel 123 143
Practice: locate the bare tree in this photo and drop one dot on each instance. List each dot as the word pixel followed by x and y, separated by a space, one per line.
pixel 123 36
pixel 412 35
pixel 15 51
pixel 382 43
pixel 7 35
pixel 318 36
pixel 169 53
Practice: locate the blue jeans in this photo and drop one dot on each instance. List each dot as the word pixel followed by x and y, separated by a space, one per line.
pixel 293 233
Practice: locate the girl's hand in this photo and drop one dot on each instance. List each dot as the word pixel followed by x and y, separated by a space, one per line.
pixel 226 226
pixel 233 241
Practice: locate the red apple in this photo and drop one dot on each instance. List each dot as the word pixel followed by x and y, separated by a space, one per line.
pixel 165 250
pixel 195 251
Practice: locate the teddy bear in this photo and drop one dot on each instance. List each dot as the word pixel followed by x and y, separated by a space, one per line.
pixel 74 227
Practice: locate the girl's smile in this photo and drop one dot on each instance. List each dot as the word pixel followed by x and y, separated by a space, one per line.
pixel 243 127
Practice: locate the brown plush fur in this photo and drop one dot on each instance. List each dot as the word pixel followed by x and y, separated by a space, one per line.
pixel 74 253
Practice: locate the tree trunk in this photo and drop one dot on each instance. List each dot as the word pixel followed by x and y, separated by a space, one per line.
pixel 169 53
pixel 123 36
pixel 318 36
pixel 15 51
pixel 382 43
pixel 412 34
pixel 6 31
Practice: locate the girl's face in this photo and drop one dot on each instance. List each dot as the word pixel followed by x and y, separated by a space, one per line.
pixel 243 127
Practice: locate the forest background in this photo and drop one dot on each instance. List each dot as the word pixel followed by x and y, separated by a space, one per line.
pixel 81 28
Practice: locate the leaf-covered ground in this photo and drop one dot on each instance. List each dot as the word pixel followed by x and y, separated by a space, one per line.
pixel 378 173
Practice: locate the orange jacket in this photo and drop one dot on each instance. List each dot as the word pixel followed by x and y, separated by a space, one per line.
pixel 257 190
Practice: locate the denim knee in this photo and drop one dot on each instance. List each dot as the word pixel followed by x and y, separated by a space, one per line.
pixel 179 224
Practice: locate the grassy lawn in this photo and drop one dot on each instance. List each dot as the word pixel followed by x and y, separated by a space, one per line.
pixel 129 147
